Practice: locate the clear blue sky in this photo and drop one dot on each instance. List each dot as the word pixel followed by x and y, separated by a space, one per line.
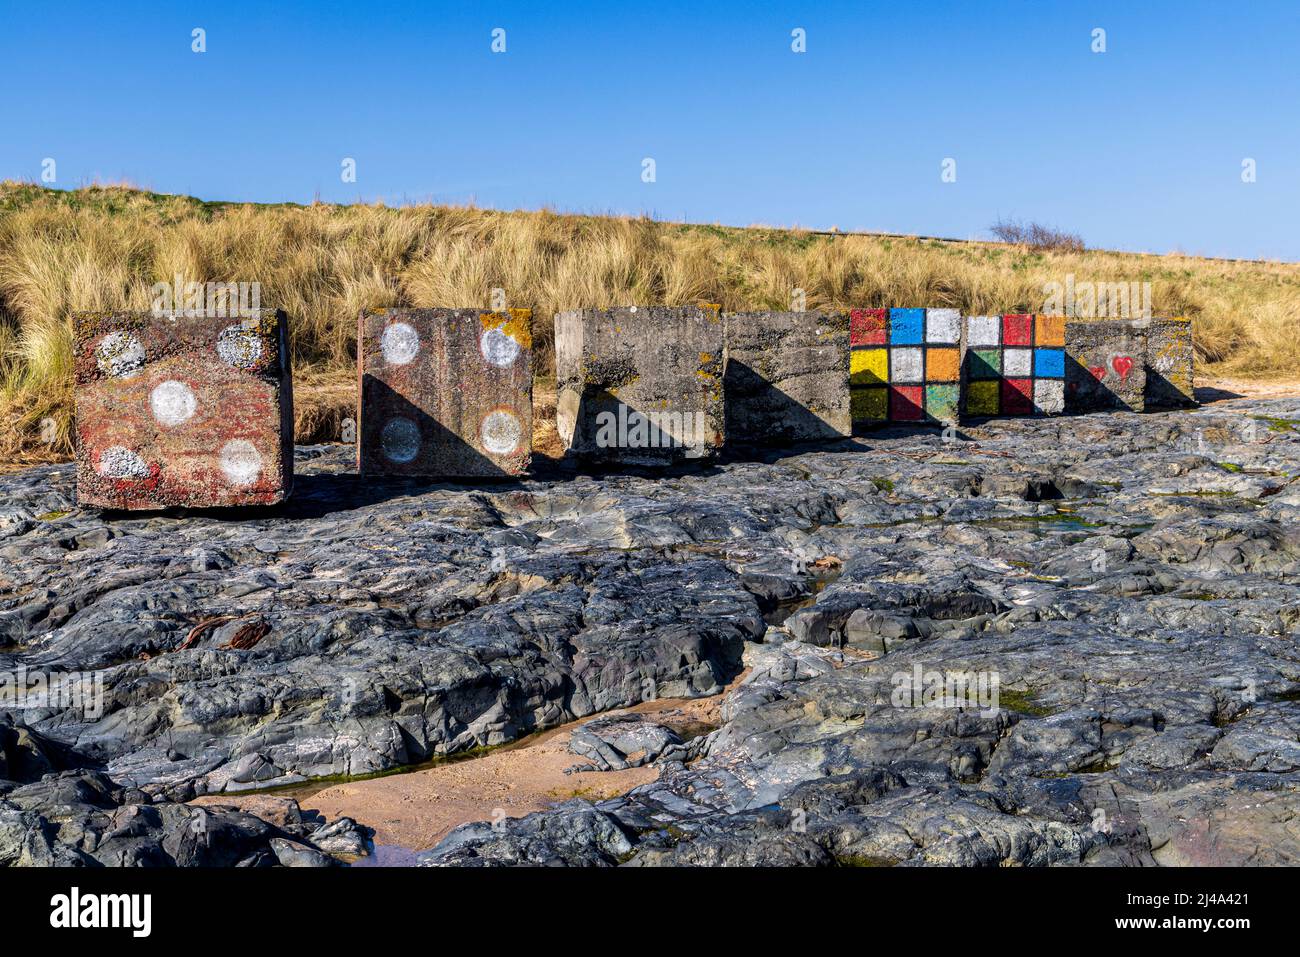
pixel 1138 148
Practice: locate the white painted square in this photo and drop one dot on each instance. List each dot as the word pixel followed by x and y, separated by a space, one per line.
pixel 906 365
pixel 943 326
pixel 983 331
pixel 1017 363
pixel 1049 396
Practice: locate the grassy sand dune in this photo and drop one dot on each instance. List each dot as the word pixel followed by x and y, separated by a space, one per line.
pixel 104 247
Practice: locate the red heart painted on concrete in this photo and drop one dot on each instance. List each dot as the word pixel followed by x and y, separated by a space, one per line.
pixel 1122 365
pixel 1098 372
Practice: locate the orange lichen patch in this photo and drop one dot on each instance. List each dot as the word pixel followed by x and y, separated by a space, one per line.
pixel 943 365
pixel 516 323
pixel 1051 330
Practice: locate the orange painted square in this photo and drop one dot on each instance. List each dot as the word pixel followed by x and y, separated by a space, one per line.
pixel 1051 331
pixel 942 365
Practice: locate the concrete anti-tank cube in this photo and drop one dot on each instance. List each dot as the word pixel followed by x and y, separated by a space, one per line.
pixel 786 377
pixel 1105 365
pixel 1169 362
pixel 640 385
pixel 445 392
pixel 176 410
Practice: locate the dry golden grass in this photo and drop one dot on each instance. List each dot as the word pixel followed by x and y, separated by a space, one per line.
pixel 104 247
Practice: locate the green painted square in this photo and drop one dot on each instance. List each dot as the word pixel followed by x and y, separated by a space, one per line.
pixel 869 404
pixel 984 364
pixel 941 402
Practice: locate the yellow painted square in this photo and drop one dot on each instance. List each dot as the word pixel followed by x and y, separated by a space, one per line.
pixel 942 365
pixel 1051 331
pixel 982 397
pixel 868 367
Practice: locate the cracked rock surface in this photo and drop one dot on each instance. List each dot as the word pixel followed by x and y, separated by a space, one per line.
pixel 1127 587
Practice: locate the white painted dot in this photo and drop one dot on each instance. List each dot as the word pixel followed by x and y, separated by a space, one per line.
pixel 239 347
pixel 119 354
pixel 241 463
pixel 172 402
pixel 120 462
pixel 400 343
pixel 499 347
pixel 400 440
pixel 501 432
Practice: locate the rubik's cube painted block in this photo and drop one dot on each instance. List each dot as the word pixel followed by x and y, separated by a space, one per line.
pixel 445 392
pixel 786 377
pixel 174 410
pixel 1169 364
pixel 640 385
pixel 1015 365
pixel 905 365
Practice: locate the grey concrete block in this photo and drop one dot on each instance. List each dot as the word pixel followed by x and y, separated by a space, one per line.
pixel 640 385
pixel 787 377
pixel 1169 361
pixel 1105 365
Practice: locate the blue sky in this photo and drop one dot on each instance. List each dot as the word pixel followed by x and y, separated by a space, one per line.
pixel 1140 147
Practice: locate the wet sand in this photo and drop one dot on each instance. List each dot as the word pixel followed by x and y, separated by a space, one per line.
pixel 413 811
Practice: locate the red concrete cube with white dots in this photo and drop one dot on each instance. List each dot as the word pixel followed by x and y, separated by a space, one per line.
pixel 445 392
pixel 175 410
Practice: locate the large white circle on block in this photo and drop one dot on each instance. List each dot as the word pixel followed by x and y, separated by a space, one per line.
pixel 119 354
pixel 119 462
pixel 241 463
pixel 499 348
pixel 400 440
pixel 501 432
pixel 172 402
pixel 400 343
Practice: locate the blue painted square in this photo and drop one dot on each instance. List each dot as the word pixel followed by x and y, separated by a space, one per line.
pixel 906 327
pixel 1049 363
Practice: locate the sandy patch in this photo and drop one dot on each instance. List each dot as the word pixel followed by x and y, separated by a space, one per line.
pixel 416 810
pixel 1218 389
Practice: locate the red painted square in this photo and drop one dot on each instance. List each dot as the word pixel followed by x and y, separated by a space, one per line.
pixel 1017 330
pixel 1017 396
pixel 868 327
pixel 906 403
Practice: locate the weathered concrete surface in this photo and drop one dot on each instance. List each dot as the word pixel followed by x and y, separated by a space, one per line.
pixel 1170 360
pixel 640 385
pixel 1105 366
pixel 181 411
pixel 445 392
pixel 787 377
pixel 1133 580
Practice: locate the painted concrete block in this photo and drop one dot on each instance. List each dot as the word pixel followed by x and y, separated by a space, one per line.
pixel 1023 356
pixel 1169 364
pixel 445 392
pixel 640 385
pixel 897 355
pixel 182 411
pixel 1105 365
pixel 786 377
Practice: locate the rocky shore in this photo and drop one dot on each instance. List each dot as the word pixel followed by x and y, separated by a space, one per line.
pixel 1129 586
